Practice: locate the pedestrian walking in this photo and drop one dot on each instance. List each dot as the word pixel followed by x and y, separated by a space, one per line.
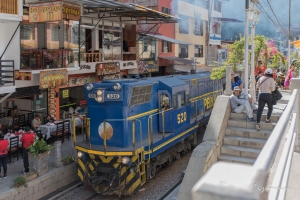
pixel 289 75
pixel 266 85
pixel 27 139
pixel 3 155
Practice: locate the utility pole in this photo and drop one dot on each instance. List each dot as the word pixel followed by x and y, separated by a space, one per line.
pixel 289 37
pixel 246 45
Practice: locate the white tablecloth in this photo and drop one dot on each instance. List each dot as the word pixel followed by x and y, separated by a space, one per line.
pixel 12 135
pixel 47 130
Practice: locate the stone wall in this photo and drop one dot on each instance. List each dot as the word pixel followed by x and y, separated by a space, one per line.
pixel 43 185
pixel 207 153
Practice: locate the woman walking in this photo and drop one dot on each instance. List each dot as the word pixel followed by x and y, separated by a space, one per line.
pixel 266 85
pixel 289 75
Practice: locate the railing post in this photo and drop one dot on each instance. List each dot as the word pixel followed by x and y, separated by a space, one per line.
pixel 104 124
pixel 133 135
pixel 74 130
pixel 163 123
pixel 88 132
pixel 295 84
pixel 228 90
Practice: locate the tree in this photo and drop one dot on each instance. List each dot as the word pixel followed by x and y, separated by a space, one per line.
pixel 265 50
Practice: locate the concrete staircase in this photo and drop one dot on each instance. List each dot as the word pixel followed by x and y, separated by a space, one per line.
pixel 242 142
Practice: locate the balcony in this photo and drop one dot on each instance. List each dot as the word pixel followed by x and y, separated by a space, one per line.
pixel 9 6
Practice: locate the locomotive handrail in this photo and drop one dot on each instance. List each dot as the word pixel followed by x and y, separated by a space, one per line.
pixel 133 131
pixel 150 139
pixel 74 129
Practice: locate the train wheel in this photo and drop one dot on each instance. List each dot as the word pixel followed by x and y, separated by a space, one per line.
pixel 153 168
pixel 177 156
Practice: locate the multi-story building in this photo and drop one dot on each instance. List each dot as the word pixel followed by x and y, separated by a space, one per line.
pixel 56 47
pixel 11 13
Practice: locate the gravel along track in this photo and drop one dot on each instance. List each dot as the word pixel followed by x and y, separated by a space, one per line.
pixel 154 189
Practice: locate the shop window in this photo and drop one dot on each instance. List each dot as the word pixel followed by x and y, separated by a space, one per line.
pixel 140 95
pixel 198 28
pixel 54 32
pixel 183 51
pixel 111 45
pixel 199 51
pixel 164 102
pixel 179 99
pixel 184 24
pixel 28 34
pixel 147 47
pixel 218 6
pixel 166 46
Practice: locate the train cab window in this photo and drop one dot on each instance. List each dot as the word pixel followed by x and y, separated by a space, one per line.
pixel 180 99
pixel 164 102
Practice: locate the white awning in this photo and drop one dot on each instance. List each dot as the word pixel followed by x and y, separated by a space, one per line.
pixel 168 39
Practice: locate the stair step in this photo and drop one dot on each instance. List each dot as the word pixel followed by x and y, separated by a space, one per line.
pixel 236 159
pixel 248 132
pixel 6 66
pixel 7 71
pixel 244 142
pixel 252 125
pixel 240 151
pixel 274 118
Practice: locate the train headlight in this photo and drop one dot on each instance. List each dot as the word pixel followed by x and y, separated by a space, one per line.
pixel 126 161
pixel 80 154
pixel 99 92
pixel 117 86
pixel 99 99
pixel 89 86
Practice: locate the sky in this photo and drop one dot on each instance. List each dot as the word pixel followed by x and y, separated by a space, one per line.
pixel 236 9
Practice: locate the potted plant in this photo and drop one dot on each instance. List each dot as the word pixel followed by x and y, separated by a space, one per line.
pixel 38 156
pixel 67 160
pixel 20 181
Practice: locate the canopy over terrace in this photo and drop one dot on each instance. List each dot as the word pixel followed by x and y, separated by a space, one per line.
pixel 296 43
pixel 116 11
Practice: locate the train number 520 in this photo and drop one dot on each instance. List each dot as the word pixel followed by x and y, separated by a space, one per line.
pixel 181 117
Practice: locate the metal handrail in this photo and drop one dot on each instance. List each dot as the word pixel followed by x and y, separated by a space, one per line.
pixel 267 155
pixel 282 166
pixel 150 139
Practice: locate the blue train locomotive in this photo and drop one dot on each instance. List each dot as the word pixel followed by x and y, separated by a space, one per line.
pixel 136 125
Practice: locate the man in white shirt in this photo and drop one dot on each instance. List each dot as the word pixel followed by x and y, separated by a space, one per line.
pixel 238 105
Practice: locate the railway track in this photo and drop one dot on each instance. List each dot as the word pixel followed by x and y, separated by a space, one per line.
pixel 158 188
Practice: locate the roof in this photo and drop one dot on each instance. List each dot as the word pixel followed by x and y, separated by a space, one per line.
pixel 222 19
pixel 168 39
pixel 296 43
pixel 125 11
pixel 172 82
pixel 181 60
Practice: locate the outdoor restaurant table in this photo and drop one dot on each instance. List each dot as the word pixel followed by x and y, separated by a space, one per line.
pixel 8 136
pixel 47 129
pixel 7 121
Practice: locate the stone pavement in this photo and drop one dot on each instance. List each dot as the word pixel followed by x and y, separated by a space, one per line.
pixel 16 167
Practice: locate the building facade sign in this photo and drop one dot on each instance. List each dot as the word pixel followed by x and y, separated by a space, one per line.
pixel 53 78
pixel 129 64
pixel 215 39
pixel 147 67
pixel 23 75
pixel 103 69
pixel 81 80
pixel 53 11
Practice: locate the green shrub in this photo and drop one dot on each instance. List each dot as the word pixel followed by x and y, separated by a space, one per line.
pixel 20 181
pixel 38 147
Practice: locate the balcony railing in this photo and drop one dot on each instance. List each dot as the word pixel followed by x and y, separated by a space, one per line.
pixel 9 6
pixel 93 57
pixel 7 73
